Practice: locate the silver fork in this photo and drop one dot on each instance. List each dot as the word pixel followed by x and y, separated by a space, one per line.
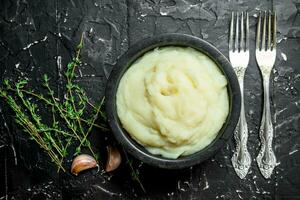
pixel 239 58
pixel 265 57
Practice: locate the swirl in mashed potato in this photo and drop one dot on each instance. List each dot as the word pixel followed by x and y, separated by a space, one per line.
pixel 173 101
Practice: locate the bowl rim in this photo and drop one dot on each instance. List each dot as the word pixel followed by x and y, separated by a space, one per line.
pixel 139 49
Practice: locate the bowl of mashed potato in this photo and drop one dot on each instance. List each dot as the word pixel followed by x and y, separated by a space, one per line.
pixel 173 100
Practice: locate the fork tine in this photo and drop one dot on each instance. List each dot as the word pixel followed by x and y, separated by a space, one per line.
pixel 247 30
pixel 231 32
pixel 242 39
pixel 236 46
pixel 258 32
pixel 263 37
pixel 269 30
pixel 274 30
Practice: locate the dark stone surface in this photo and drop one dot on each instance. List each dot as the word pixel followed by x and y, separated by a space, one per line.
pixel 38 37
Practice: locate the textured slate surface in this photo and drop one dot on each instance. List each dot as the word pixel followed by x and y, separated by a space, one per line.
pixel 38 37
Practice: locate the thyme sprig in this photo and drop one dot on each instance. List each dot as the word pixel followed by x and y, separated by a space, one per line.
pixel 72 118
pixel 134 172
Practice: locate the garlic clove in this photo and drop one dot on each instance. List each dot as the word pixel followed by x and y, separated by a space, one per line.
pixel 83 162
pixel 113 159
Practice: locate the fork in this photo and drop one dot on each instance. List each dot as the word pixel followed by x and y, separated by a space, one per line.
pixel 239 58
pixel 265 57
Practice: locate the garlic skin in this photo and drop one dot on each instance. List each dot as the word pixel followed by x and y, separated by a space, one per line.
pixel 113 159
pixel 83 162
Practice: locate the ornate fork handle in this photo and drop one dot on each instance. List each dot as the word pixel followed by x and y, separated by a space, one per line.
pixel 241 159
pixel 266 159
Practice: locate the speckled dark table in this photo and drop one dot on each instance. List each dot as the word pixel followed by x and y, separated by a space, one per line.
pixel 38 37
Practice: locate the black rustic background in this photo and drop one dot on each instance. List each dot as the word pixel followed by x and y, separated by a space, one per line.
pixel 38 36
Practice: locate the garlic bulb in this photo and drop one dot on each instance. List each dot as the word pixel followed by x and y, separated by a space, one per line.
pixel 113 159
pixel 83 162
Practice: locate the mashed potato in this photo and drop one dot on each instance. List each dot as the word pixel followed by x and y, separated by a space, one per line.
pixel 173 101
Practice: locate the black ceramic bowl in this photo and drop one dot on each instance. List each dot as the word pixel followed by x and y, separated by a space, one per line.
pixel 125 62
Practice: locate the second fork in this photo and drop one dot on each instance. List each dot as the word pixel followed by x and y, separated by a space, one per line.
pixel 265 56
